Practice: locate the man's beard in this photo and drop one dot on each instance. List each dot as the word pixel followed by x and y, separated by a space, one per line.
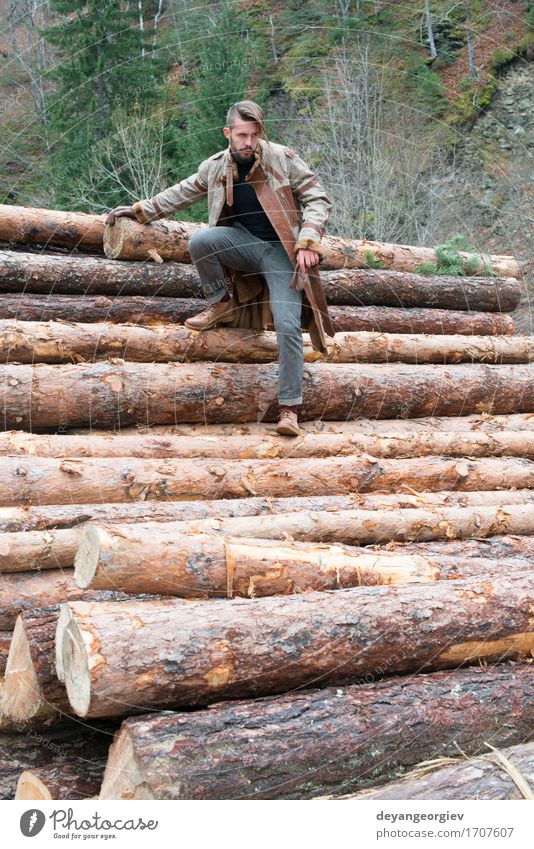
pixel 242 156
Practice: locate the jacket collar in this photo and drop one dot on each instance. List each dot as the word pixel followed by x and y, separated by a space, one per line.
pixel 231 173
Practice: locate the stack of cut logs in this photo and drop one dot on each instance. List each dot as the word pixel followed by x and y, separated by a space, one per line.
pixel 349 605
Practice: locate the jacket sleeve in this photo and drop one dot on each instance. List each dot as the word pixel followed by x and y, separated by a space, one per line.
pixel 179 196
pixel 313 201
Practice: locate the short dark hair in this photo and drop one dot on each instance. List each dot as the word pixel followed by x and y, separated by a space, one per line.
pixel 247 110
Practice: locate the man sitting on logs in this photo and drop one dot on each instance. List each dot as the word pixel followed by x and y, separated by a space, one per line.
pixel 267 215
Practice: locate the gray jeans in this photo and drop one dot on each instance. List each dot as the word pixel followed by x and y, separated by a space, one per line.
pixel 235 247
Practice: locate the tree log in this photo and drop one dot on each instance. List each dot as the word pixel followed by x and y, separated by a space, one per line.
pixel 265 445
pixel 21 591
pixel 201 566
pixel 121 394
pixel 374 287
pixel 19 224
pixel 308 744
pixel 65 781
pixel 55 274
pixel 129 240
pixel 57 548
pixel 199 652
pixel 68 743
pixel 429 424
pixel 45 480
pixel 157 310
pixel 437 322
pixel 481 777
pixel 50 552
pixel 31 687
pixel 82 275
pixel 56 342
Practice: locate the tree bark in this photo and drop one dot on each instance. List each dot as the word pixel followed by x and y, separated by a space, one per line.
pixel 44 480
pixel 429 424
pixel 63 781
pixel 21 591
pixel 31 688
pixel 155 310
pixel 307 744
pixel 201 566
pixel 438 322
pixel 268 445
pixel 49 551
pixel 121 394
pixel 83 275
pixel 20 224
pixel 199 652
pixel 481 777
pixel 57 548
pixel 50 746
pixel 56 342
pixel 5 642
pixel 128 239
pixel 56 274
pixel 374 287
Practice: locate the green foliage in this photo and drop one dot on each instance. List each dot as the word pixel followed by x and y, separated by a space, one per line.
pixel 220 78
pixel 99 68
pixel 450 262
pixel 370 261
pixel 501 57
pixel 473 97
pixel 425 85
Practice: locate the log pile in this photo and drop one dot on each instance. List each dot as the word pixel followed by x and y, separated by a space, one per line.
pixel 162 549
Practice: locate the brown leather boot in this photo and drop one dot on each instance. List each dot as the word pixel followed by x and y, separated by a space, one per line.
pixel 218 313
pixel 288 423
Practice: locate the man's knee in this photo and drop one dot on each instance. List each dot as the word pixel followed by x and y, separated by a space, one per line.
pixel 287 322
pixel 202 242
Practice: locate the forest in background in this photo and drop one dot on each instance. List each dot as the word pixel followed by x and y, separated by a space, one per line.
pixel 107 101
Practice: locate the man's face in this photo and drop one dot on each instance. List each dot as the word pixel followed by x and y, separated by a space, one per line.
pixel 243 138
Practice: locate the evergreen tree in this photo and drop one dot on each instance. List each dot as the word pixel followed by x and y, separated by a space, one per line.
pixel 104 62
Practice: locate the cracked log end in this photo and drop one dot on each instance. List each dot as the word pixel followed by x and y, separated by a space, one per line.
pixel 87 557
pixel 21 693
pixel 124 777
pixel 30 786
pixel 72 662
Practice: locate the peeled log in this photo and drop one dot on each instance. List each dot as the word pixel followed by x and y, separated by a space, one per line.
pixel 64 781
pixel 356 527
pixel 268 445
pixel 21 591
pixel 127 239
pixel 56 342
pixel 307 744
pixel 200 565
pixel 31 688
pixel 483 777
pixel 199 652
pixel 158 310
pixel 45 480
pixel 82 275
pixel 50 226
pixel 121 394
pixel 49 551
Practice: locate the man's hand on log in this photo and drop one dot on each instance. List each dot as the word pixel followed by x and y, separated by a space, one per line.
pixel 307 259
pixel 120 212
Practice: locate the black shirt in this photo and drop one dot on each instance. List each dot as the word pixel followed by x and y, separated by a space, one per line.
pixel 247 208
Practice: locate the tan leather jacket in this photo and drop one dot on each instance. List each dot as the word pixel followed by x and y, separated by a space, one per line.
pixel 296 205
